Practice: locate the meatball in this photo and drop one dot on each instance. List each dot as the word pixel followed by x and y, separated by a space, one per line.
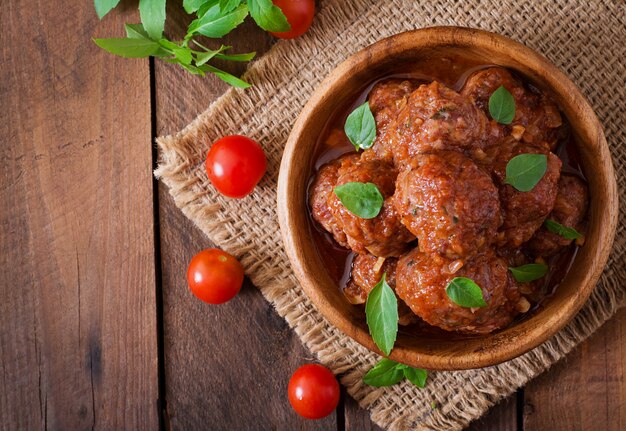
pixel 448 203
pixel 422 278
pixel 536 116
pixel 382 235
pixel 435 118
pixel 367 270
pixel 569 210
pixel 319 193
pixel 386 99
pixel 523 212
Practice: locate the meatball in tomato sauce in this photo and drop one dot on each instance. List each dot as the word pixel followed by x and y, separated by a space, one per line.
pixel 536 116
pixel 421 282
pixel 435 118
pixel 448 203
pixel 383 235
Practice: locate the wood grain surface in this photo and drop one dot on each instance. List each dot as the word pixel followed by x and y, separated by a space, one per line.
pixel 78 346
pixel 78 310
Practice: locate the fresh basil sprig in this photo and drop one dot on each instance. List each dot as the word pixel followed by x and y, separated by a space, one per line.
pixel 526 170
pixel 464 292
pixel 387 373
pixel 381 312
pixel 360 127
pixel 364 200
pixel 565 231
pixel 214 19
pixel 502 106
pixel 529 272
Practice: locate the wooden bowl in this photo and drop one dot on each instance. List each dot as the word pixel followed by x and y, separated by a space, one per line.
pixel 382 58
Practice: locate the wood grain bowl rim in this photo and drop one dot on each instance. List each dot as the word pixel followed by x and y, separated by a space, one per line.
pixel 560 309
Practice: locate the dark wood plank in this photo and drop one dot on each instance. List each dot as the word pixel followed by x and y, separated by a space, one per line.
pixel 586 390
pixel 227 366
pixel 77 316
pixel 501 417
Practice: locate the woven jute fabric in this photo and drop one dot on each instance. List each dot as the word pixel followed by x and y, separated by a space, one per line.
pixel 587 40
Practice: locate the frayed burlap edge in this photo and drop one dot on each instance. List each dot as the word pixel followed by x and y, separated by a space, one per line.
pixel 285 77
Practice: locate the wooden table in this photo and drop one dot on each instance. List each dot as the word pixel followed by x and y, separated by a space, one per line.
pixel 97 326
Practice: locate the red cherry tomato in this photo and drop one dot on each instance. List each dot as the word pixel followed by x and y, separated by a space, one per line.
pixel 235 164
pixel 313 391
pixel 299 14
pixel 214 276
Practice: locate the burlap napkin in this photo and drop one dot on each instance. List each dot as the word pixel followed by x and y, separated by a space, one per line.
pixel 587 40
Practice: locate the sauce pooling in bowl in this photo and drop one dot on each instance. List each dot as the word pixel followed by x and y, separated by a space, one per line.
pixel 450 212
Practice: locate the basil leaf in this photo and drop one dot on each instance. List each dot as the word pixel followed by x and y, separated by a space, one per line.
pixel 502 106
pixel 417 376
pixel 135 31
pixel 152 13
pixel 381 312
pixel 103 7
pixel 214 24
pixel 464 292
pixel 385 373
pixel 129 48
pixel 360 127
pixel 225 76
pixel 203 57
pixel 565 231
pixel 228 5
pixel 529 272
pixel 191 6
pixel 182 53
pixel 268 16
pixel 524 171
pixel 361 199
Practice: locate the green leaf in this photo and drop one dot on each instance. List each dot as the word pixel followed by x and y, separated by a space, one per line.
pixel 502 106
pixel 103 7
pixel 129 48
pixel 268 16
pixel 214 25
pixel 182 53
pixel 136 31
pixel 191 6
pixel 228 5
pixel 237 57
pixel 464 292
pixel 381 312
pixel 385 373
pixel 565 231
pixel 417 376
pixel 361 199
pixel 529 272
pixel 152 14
pixel 360 127
pixel 225 76
pixel 524 171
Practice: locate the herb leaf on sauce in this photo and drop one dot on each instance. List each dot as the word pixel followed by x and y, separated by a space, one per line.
pixel 364 200
pixel 360 127
pixel 381 312
pixel 387 373
pixel 464 292
pixel 565 231
pixel 502 106
pixel 525 170
pixel 529 272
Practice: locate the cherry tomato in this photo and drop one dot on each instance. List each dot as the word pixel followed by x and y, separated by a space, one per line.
pixel 235 164
pixel 299 14
pixel 313 391
pixel 214 276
